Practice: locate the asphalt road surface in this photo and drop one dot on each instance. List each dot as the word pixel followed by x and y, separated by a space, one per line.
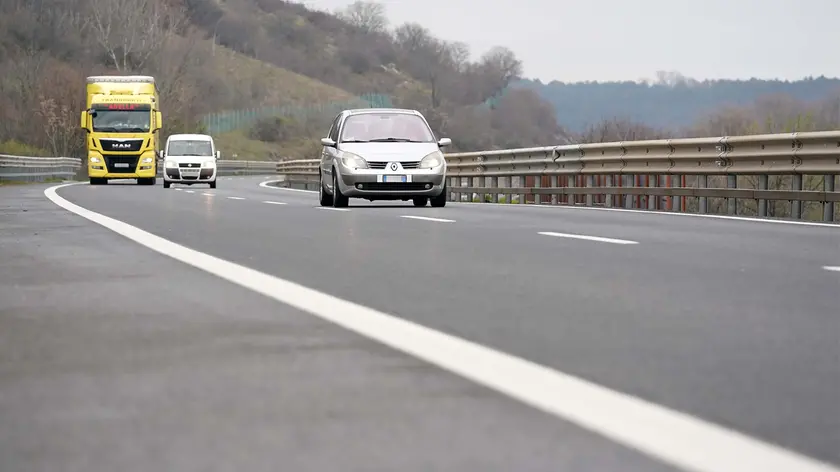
pixel 116 357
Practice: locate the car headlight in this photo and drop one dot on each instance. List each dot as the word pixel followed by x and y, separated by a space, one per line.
pixel 95 160
pixel 171 164
pixel 432 161
pixel 208 164
pixel 147 160
pixel 353 161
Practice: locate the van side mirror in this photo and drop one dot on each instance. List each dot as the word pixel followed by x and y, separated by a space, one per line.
pixel 161 154
pixel 218 155
pixel 444 142
pixel 327 142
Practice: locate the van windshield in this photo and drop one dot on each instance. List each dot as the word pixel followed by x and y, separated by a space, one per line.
pixel 193 147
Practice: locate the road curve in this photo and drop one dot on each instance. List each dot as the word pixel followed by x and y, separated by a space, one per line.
pixel 730 321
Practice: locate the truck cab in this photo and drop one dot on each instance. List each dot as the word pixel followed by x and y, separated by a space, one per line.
pixel 189 159
pixel 121 120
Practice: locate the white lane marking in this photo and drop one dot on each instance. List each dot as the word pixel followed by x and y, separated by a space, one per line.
pixel 236 198
pixel 832 268
pixel 668 435
pixel 332 209
pixel 274 203
pixel 427 218
pixel 588 238
pixel 189 191
pixel 649 212
pixel 209 194
pixel 265 185
pixel 625 210
pixel 179 189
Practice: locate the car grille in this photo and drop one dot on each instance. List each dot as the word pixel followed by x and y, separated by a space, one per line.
pixel 394 186
pixel 405 165
pixel 111 161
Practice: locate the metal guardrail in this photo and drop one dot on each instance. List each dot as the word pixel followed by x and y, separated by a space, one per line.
pixel 668 174
pixel 37 169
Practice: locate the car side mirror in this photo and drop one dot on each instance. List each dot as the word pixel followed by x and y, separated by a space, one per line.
pixel 327 142
pixel 218 155
pixel 444 142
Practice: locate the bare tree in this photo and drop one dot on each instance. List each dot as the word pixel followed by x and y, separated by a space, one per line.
pixel 130 32
pixel 366 15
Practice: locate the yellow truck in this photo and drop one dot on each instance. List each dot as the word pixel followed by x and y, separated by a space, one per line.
pixel 122 119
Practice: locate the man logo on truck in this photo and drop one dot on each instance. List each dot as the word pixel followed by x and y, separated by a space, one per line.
pixel 121 146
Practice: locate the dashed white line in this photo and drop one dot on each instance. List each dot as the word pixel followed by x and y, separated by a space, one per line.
pixel 209 194
pixel 332 208
pixel 179 189
pixel 236 198
pixel 274 203
pixel 427 218
pixel 588 238
pixel 671 436
pixel 832 268
pixel 190 191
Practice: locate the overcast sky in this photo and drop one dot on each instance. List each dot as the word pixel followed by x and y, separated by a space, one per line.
pixel 575 40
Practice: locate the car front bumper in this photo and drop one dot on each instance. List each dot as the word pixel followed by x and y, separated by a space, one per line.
pixel 385 184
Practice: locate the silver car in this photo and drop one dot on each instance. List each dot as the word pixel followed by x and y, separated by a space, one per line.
pixel 382 154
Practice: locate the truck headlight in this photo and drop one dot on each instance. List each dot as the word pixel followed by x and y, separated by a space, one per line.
pixel 171 164
pixel 353 161
pixel 147 160
pixel 432 161
pixel 95 160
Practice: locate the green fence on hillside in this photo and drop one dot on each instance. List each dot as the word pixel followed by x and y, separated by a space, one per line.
pixel 226 121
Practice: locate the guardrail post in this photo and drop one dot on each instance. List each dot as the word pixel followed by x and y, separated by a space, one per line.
pixel 555 199
pixel 732 182
pixel 523 180
pixel 571 198
pixel 828 207
pixel 652 200
pixel 703 202
pixel 537 185
pixel 796 205
pixel 763 183
pixel 608 198
pixel 590 181
pixel 494 183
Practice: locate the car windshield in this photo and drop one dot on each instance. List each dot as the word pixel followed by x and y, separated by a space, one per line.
pixel 192 147
pixel 122 121
pixel 386 127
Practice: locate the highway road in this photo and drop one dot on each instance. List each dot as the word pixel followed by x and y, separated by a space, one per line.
pixel 284 336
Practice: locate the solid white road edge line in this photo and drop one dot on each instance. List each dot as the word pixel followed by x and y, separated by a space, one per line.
pixel 671 436
pixel 624 210
pixel 588 238
pixel 427 218
pixel 832 268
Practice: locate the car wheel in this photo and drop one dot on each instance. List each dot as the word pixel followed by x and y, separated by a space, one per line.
pixel 213 184
pixel 440 200
pixel 420 201
pixel 339 200
pixel 323 196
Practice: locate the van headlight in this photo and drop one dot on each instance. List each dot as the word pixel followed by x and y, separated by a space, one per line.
pixel 353 161
pixel 432 161
pixel 208 164
pixel 171 164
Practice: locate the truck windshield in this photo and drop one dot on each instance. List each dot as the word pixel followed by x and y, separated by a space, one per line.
pixel 122 121
pixel 195 147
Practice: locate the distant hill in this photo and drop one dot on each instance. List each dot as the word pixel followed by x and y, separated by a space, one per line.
pixel 673 103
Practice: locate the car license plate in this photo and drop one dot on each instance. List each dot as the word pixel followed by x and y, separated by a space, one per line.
pixel 393 178
pixel 120 164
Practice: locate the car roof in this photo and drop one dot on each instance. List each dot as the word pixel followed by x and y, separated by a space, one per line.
pixel 362 111
pixel 185 137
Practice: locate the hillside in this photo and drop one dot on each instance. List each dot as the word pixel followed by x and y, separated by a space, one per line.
pixel 267 76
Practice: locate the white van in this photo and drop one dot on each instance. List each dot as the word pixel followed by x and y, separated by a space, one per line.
pixel 189 159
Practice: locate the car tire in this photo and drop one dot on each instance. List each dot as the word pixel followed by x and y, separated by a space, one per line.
pixel 324 198
pixel 420 201
pixel 339 200
pixel 440 200
pixel 213 184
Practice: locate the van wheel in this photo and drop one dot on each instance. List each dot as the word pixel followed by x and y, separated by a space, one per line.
pixel 166 184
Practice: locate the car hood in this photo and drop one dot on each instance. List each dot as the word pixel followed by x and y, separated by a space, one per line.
pixel 398 152
pixel 189 159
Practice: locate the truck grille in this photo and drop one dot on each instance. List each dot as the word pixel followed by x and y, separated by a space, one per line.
pixel 121 145
pixel 116 164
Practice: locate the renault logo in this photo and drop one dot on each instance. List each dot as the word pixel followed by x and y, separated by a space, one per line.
pixel 393 166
